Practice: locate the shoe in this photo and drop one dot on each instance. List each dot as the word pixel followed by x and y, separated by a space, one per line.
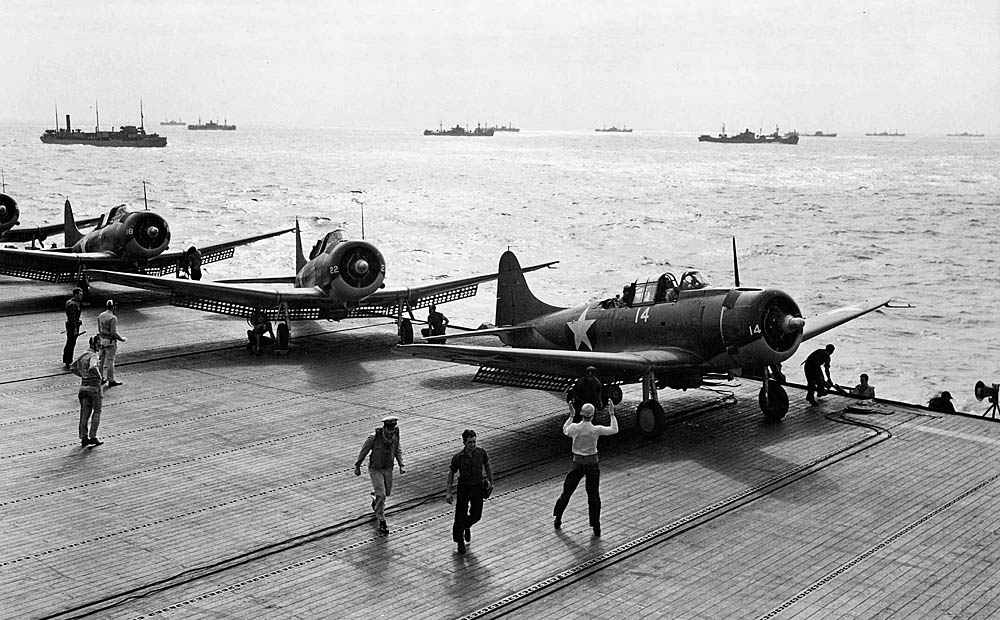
pixel 468 535
pixel 461 546
pixel 66 366
pixel 112 384
pixel 597 531
pixel 812 401
pixel 557 523
pixel 94 441
pixel 84 443
pixel 383 527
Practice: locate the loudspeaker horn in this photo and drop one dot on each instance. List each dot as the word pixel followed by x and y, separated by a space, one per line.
pixel 984 391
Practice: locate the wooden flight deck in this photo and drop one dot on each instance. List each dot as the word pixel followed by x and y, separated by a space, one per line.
pixel 225 489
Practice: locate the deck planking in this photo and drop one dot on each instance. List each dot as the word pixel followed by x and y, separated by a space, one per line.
pixel 225 489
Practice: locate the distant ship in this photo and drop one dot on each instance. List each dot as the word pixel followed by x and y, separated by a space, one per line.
pixel 458 130
pixel 172 123
pixel 820 134
pixel 504 128
pixel 212 125
pixel 966 134
pixel 886 134
pixel 749 137
pixel 613 129
pixel 127 135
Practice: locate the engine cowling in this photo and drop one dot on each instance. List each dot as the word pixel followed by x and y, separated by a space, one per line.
pixel 761 328
pixel 136 237
pixel 8 213
pixel 354 270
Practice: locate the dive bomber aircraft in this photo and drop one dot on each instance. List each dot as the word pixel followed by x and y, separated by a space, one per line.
pixel 9 214
pixel 662 332
pixel 343 278
pixel 124 240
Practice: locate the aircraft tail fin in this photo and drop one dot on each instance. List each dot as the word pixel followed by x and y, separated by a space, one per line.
pixel 300 258
pixel 515 301
pixel 71 233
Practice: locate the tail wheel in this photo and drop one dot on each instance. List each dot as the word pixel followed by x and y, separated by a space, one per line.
pixel 773 401
pixel 405 332
pixel 652 420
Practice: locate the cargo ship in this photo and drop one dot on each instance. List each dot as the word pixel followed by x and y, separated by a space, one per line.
pixel 510 128
pixel 458 130
pixel 749 137
pixel 127 135
pixel 886 134
pixel 820 134
pixel 966 134
pixel 213 126
pixel 614 129
pixel 172 123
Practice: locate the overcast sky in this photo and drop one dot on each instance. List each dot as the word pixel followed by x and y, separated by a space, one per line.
pixel 918 66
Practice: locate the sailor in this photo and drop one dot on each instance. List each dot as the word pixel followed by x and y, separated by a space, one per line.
pixel 72 325
pixel 107 328
pixel 383 447
pixel 587 389
pixel 941 403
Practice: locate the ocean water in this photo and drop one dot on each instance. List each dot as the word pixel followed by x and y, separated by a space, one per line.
pixel 831 221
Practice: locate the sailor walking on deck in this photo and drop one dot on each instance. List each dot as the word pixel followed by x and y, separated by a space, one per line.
pixel 91 396
pixel 383 446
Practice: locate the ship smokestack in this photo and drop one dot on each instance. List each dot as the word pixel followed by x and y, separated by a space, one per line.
pixel 67 123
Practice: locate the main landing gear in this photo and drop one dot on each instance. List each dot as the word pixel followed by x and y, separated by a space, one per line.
pixel 649 413
pixel 772 398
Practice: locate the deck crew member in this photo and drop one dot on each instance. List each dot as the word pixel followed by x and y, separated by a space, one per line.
pixel 437 322
pixel 107 328
pixel 383 446
pixel 941 403
pixel 87 367
pixel 73 324
pixel 585 435
pixel 469 463
pixel 587 389
pixel 863 389
pixel 816 365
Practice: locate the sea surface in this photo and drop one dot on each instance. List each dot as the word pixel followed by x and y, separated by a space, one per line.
pixel 831 221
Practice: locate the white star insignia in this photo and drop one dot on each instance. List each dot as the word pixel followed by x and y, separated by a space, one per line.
pixel 579 328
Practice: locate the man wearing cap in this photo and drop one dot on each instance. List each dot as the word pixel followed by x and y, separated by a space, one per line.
pixel 585 435
pixel 72 325
pixel 469 463
pixel 587 389
pixel 383 445
pixel 815 365
pixel 87 367
pixel 107 328
pixel 941 403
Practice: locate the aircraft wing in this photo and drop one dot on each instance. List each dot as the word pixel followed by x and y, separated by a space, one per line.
pixel 41 233
pixel 167 262
pixel 825 322
pixel 220 297
pixel 54 265
pixel 386 301
pixel 553 369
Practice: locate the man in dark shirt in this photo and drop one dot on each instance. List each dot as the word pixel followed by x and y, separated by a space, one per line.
pixel 436 322
pixel 587 389
pixel 72 325
pixel 816 365
pixel 472 489
pixel 941 403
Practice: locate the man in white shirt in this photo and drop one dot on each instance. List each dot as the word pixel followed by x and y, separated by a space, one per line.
pixel 585 436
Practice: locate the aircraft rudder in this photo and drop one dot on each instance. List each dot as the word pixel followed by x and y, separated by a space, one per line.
pixel 71 234
pixel 300 258
pixel 515 301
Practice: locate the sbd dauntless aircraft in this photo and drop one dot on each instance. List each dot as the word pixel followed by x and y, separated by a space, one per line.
pixel 123 240
pixel 9 215
pixel 343 278
pixel 663 332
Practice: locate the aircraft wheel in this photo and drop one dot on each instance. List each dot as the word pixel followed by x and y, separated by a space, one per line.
pixel 652 420
pixel 614 393
pixel 775 406
pixel 405 332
